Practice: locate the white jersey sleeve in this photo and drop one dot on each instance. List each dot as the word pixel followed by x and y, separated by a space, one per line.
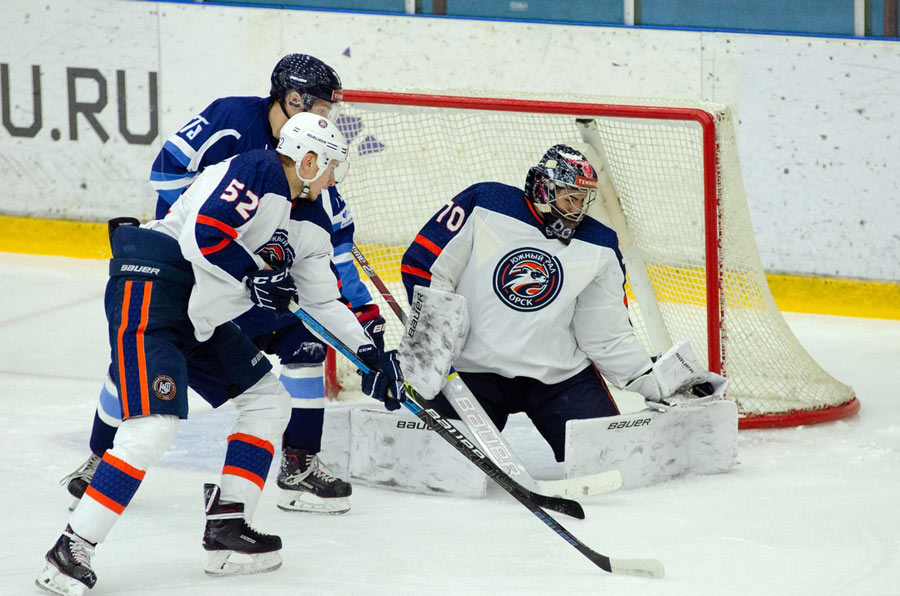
pixel 603 330
pixel 316 277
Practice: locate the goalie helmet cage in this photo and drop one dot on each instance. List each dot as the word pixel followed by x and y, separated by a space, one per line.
pixel 670 186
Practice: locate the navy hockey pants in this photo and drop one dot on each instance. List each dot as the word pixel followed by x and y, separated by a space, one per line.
pixel 584 395
pixel 154 354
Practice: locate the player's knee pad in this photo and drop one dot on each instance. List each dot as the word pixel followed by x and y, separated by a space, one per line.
pixel 141 441
pixel 264 409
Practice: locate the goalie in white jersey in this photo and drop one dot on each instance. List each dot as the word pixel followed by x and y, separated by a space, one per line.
pixel 544 288
pixel 175 285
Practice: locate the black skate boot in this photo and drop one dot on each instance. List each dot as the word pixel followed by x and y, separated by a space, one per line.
pixel 68 570
pixel 227 533
pixel 78 481
pixel 309 486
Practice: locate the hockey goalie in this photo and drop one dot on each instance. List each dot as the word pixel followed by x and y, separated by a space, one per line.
pixel 548 326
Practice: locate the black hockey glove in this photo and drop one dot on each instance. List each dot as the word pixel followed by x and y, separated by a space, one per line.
pixel 385 380
pixel 369 316
pixel 272 289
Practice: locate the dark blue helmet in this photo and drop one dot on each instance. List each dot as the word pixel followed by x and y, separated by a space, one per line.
pixel 307 75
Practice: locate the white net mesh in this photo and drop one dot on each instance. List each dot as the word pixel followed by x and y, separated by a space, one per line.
pixel 407 161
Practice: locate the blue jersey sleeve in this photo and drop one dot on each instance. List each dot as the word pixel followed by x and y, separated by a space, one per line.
pixel 214 135
pixel 353 290
pixel 429 243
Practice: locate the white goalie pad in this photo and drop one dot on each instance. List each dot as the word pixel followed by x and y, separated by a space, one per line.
pixel 434 336
pixel 396 450
pixel 648 447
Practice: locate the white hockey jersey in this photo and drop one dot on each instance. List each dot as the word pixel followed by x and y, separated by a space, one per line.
pixel 538 308
pixel 236 218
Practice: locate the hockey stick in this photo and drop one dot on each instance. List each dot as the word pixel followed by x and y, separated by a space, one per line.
pixel 532 501
pixel 485 432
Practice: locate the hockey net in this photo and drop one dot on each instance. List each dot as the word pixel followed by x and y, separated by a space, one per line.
pixel 671 187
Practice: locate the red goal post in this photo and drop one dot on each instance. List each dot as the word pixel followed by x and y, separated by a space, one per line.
pixel 671 187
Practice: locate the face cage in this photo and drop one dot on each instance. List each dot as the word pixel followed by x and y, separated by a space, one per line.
pixel 550 188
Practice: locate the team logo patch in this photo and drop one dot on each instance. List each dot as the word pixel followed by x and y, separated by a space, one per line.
pixel 323 123
pixel 528 279
pixel 277 252
pixel 164 387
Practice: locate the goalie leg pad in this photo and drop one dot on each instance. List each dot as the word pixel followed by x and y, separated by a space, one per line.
pixel 649 447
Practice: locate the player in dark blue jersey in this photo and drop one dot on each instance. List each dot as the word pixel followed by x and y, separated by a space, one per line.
pixel 227 127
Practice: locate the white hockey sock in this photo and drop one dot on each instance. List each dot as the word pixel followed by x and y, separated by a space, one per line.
pixel 109 409
pixel 264 411
pixel 306 385
pixel 139 444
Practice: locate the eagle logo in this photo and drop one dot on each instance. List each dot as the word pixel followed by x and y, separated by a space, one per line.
pixel 277 252
pixel 527 279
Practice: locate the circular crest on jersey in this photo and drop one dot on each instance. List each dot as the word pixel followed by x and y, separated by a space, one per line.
pixel 528 279
pixel 164 387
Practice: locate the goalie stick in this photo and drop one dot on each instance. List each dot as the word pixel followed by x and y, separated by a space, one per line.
pixel 486 434
pixel 532 501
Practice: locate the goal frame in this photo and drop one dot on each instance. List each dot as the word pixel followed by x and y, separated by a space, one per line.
pixel 711 212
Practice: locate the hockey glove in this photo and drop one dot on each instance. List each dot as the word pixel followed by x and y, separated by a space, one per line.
pixel 677 379
pixel 369 316
pixel 384 381
pixel 272 289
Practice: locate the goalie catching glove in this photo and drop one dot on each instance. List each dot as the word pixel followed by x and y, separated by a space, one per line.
pixel 384 381
pixel 677 379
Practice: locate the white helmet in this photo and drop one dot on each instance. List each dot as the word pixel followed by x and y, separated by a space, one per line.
pixel 305 132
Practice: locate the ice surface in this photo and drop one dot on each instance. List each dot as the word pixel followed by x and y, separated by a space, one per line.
pixel 809 511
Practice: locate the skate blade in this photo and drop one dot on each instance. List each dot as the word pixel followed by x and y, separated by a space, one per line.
pixel 51 580
pixel 304 502
pixel 223 563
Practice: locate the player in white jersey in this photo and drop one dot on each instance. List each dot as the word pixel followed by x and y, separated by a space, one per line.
pixel 544 288
pixel 175 285
pixel 227 127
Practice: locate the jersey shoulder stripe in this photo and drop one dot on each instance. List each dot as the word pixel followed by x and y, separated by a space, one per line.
pixel 592 231
pixel 312 212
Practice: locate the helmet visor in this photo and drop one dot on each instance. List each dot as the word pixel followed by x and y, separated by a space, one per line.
pixel 340 168
pixel 322 107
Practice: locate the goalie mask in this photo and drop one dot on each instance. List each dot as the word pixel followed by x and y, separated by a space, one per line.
pixel 562 187
pixel 311 78
pixel 307 132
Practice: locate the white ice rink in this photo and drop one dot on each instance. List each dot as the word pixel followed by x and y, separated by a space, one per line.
pixel 810 511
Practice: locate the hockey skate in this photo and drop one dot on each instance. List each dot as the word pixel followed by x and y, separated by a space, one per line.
pixel 309 486
pixel 234 547
pixel 68 570
pixel 78 481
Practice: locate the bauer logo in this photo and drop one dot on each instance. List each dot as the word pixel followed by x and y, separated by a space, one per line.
pixel 629 423
pixel 164 387
pixel 528 279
